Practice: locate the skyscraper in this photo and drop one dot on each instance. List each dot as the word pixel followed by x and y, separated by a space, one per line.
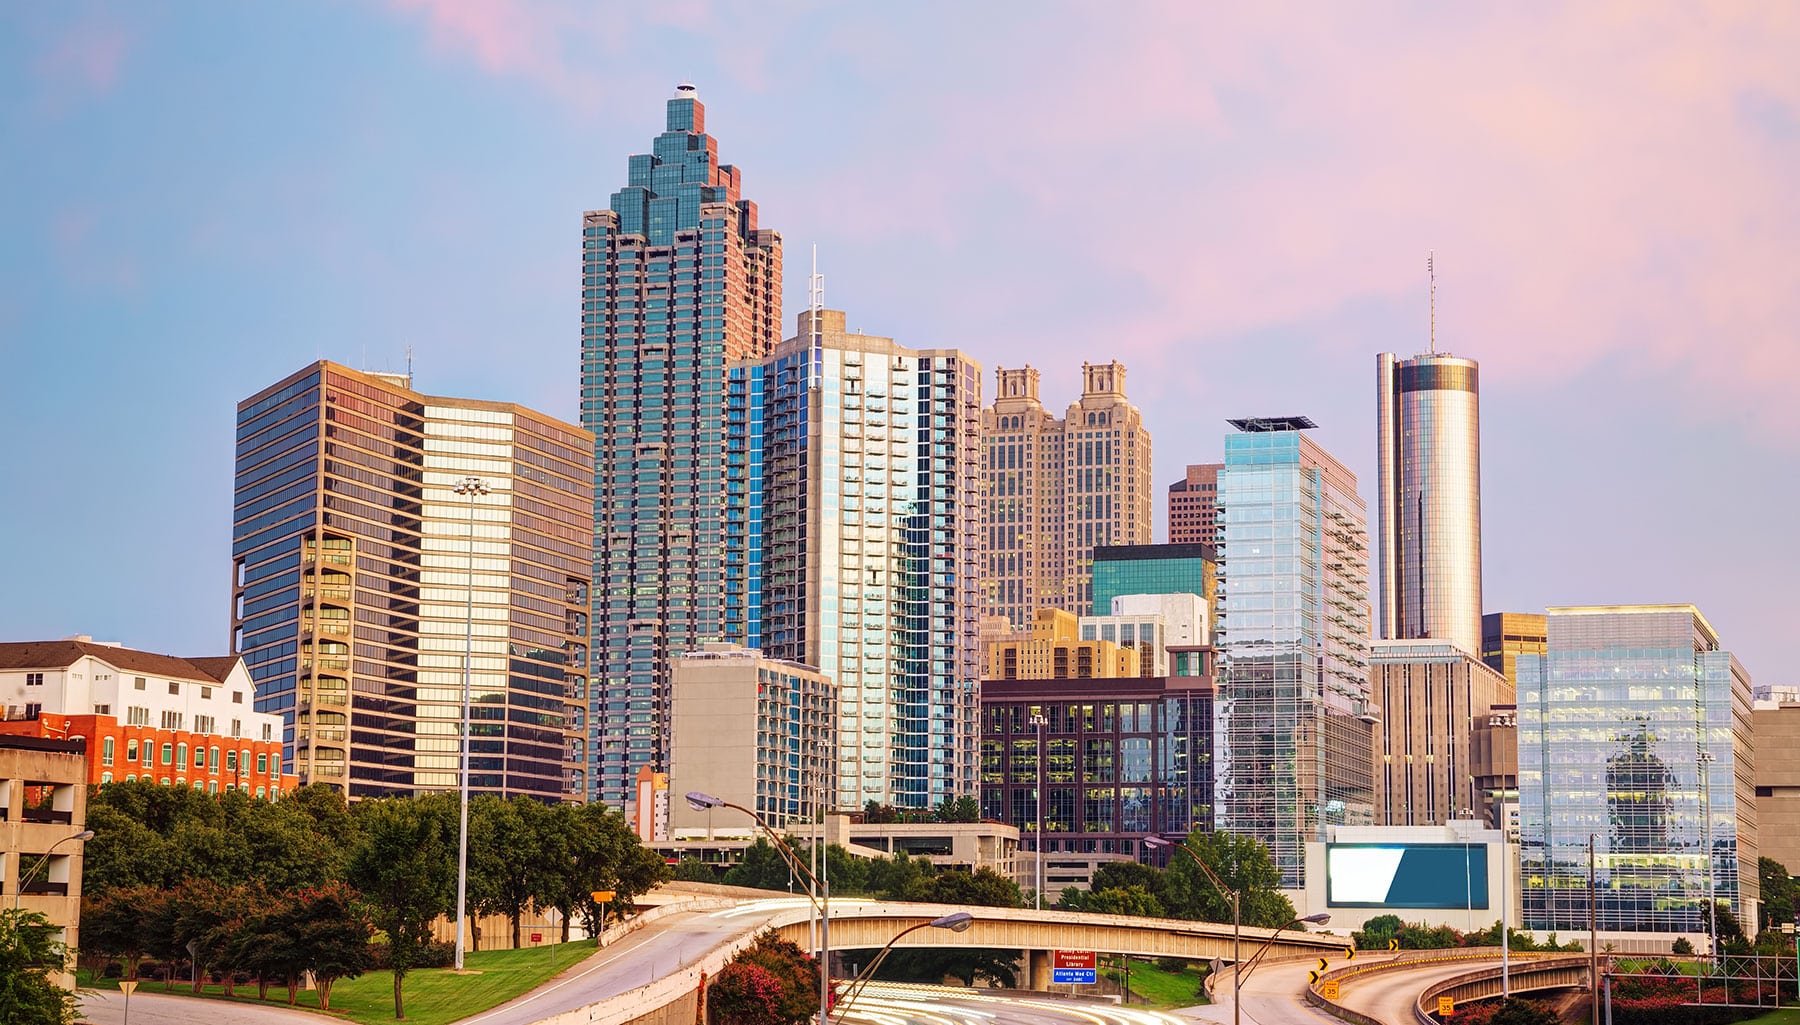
pixel 1635 725
pixel 1193 505
pixel 1433 698
pixel 677 280
pixel 851 515
pixel 1053 489
pixel 360 577
pixel 1507 635
pixel 1293 733
pixel 1428 431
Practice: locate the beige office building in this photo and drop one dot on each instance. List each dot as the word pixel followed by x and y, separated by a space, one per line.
pixel 1507 635
pixel 1777 734
pixel 758 732
pixel 1053 650
pixel 1431 694
pixel 43 812
pixel 1054 488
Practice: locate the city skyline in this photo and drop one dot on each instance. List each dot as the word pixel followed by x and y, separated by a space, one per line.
pixel 145 295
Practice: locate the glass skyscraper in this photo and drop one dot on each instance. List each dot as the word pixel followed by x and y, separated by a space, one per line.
pixel 677 280
pixel 1293 735
pixel 1153 569
pixel 1634 727
pixel 1428 433
pixel 852 473
pixel 360 578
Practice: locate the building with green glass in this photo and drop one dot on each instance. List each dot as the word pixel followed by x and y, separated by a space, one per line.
pixel 1153 569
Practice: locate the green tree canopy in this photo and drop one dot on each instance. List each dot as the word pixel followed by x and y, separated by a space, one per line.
pixel 28 951
pixel 404 865
pixel 1244 864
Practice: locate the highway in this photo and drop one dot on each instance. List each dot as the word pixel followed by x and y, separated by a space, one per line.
pixel 899 1004
pixel 107 1007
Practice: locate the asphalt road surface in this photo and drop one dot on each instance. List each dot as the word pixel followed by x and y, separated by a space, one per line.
pixel 107 1007
pixel 898 1004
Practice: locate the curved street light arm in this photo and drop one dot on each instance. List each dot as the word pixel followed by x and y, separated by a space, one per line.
pixel 956 922
pixel 44 859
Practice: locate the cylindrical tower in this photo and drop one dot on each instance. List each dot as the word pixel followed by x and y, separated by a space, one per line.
pixel 1428 434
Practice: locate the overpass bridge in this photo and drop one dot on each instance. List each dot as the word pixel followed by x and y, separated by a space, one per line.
pixel 1403 989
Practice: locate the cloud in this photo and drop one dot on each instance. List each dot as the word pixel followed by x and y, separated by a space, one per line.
pixel 85 62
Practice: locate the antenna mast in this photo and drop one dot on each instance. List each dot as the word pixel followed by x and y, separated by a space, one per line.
pixel 815 287
pixel 1431 269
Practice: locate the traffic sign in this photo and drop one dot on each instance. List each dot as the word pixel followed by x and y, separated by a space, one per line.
pixel 127 985
pixel 1312 976
pixel 1073 968
pixel 1393 944
pixel 1323 964
pixel 537 937
pixel 1350 953
pixel 1446 1006
pixel 1329 990
pixel 602 896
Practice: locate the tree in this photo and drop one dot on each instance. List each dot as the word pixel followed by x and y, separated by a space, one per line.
pixel 259 941
pixel 745 994
pixel 1377 931
pixel 692 870
pixel 1246 868
pixel 331 935
pixel 28 996
pixel 1682 946
pixel 900 877
pixel 875 813
pixel 505 856
pixel 795 971
pixel 1778 893
pixel 1129 900
pixel 764 868
pixel 404 865
pixel 958 809
pixel 1513 1011
pixel 1122 875
pixel 206 913
pixel 114 923
pixel 983 887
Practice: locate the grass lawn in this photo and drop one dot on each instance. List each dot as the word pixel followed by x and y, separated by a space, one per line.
pixel 1153 987
pixel 434 996
pixel 1785 1016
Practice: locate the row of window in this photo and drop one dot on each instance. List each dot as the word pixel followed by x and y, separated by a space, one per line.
pixel 210 786
pixel 177 755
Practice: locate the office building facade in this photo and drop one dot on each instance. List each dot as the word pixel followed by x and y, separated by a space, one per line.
pixel 1293 734
pixel 851 517
pixel 1152 624
pixel 1635 729
pixel 1432 695
pixel 1194 506
pixel 1053 649
pixel 1055 488
pixel 677 280
pixel 360 577
pixel 756 731
pixel 1121 570
pixel 1428 456
pixel 1507 635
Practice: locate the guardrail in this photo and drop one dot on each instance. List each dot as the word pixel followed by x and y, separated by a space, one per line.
pixel 1572 967
pixel 1409 960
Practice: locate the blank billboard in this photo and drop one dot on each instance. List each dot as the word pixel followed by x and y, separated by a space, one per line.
pixel 1406 875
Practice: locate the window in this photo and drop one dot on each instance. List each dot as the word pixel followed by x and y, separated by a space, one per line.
pixel 174 687
pixel 34 679
pixel 203 724
pixel 275 765
pixel 136 715
pixel 33 709
pixel 268 732
pixel 262 765
pixel 171 720
pixel 206 693
pixel 168 757
pixel 138 682
pixel 237 697
pixel 106 777
pixel 106 751
pixel 181 756
pixel 102 709
pixel 237 727
pixel 131 751
pixel 212 759
pixel 231 761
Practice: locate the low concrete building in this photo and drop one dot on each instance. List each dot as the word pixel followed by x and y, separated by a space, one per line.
pixel 43 809
pixel 1054 650
pixel 758 732
pixel 1446 874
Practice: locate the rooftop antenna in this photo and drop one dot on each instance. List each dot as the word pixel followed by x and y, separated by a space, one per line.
pixel 1431 269
pixel 409 364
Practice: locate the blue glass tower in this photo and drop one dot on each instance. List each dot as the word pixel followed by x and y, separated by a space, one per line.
pixel 1293 721
pixel 677 280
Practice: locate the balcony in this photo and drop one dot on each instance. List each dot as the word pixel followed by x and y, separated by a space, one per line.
pixel 45 888
pixel 49 815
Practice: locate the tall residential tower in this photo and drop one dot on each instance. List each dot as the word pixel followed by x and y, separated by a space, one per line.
pixel 1428 432
pixel 361 575
pixel 677 280
pixel 852 470
pixel 1054 489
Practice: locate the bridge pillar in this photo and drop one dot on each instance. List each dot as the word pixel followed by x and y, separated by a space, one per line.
pixel 1037 969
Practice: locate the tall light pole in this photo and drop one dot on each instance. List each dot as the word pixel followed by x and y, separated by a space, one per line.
pixel 19 891
pixel 474 488
pixel 1593 933
pixel 958 921
pixel 1237 921
pixel 1040 720
pixel 1712 901
pixel 817 891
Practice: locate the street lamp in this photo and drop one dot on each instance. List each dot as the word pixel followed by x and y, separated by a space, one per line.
pixel 84 835
pixel 1237 973
pixel 1040 720
pixel 958 921
pixel 1236 899
pixel 474 488
pixel 818 891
